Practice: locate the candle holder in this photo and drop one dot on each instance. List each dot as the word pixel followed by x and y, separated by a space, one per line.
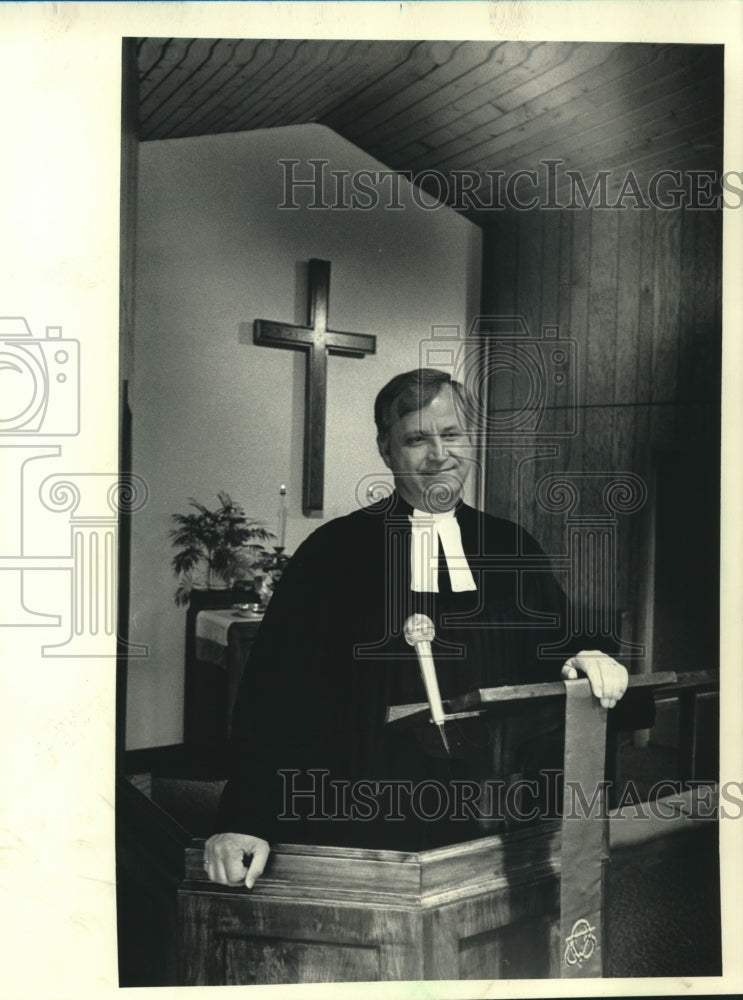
pixel 272 567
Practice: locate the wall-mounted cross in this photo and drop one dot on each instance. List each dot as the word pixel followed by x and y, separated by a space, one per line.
pixel 317 341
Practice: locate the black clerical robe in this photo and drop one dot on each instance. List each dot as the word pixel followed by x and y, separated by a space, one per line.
pixel 330 657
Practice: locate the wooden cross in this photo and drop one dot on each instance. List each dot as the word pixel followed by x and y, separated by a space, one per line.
pixel 318 342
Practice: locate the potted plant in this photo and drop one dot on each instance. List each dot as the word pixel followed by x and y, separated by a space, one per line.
pixel 214 547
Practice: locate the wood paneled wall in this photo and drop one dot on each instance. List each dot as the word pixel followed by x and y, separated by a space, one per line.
pixel 636 295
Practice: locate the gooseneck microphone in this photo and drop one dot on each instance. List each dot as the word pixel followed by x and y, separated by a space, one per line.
pixel 419 632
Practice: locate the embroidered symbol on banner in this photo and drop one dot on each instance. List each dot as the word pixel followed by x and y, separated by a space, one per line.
pixel 581 943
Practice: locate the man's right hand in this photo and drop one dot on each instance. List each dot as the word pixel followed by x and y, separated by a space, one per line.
pixel 224 858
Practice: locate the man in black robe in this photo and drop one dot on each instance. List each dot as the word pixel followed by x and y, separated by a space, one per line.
pixel 313 759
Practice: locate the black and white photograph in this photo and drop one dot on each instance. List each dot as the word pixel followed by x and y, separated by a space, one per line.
pixel 401 591
pixel 372 567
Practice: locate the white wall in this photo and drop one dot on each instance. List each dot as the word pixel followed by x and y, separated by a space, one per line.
pixel 210 412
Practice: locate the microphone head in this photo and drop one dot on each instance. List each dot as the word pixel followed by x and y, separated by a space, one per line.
pixel 418 628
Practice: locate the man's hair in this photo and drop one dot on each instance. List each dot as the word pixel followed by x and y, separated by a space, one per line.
pixel 412 391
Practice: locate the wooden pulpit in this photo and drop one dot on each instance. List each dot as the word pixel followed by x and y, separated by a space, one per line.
pixel 490 908
pixel 486 909
pixel 496 907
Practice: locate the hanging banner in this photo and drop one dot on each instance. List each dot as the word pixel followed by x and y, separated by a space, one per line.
pixel 583 834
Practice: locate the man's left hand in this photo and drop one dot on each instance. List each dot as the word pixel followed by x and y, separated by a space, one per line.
pixel 608 678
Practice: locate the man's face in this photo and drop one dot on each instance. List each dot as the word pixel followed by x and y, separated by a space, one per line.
pixel 430 453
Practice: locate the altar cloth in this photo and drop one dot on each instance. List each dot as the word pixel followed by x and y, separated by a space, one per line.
pixel 215 625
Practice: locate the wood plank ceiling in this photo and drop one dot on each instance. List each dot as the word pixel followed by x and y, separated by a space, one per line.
pixel 452 106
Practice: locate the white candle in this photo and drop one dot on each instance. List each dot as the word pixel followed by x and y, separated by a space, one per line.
pixel 282 516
